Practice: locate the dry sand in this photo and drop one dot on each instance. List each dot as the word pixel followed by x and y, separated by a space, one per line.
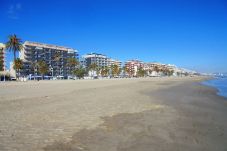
pixel 150 114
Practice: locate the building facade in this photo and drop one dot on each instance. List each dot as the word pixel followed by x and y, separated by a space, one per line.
pixel 2 57
pixel 112 62
pixel 55 57
pixel 133 66
pixel 159 69
pixel 94 58
pixel 99 59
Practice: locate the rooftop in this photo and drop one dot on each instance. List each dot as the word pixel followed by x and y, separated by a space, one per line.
pixel 50 46
pixel 94 55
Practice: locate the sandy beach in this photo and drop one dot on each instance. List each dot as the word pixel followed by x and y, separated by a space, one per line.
pixel 147 114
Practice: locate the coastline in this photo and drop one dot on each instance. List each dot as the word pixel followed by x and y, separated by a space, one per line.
pixel 136 115
pixel 220 90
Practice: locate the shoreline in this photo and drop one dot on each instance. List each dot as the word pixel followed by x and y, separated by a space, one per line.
pixel 127 115
pixel 219 91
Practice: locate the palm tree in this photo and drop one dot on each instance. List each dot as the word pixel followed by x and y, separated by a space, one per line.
pixel 107 70
pixel 14 44
pixel 104 71
pixel 34 66
pixel 149 71
pixel 165 71
pixel 93 67
pixel 71 63
pixel 171 72
pixel 42 68
pixel 57 58
pixel 80 72
pixel 156 68
pixel 18 64
pixel 141 72
pixel 1 61
pixel 115 70
pixel 127 71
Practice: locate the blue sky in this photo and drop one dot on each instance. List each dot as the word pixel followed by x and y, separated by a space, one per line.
pixel 188 33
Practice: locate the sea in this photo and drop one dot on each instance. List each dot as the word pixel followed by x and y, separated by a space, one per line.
pixel 220 83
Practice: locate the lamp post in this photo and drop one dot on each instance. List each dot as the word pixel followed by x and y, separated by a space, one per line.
pixel 36 73
pixel 52 71
pixel 4 73
pixel 61 69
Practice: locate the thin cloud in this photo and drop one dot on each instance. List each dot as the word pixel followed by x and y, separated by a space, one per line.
pixel 14 10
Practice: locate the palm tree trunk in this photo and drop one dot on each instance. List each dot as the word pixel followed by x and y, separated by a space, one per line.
pixel 14 55
pixel 34 73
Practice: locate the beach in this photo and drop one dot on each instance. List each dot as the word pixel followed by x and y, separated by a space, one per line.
pixel 144 114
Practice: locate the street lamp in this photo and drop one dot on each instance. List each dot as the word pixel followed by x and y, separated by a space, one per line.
pixel 61 69
pixel 5 73
pixel 52 70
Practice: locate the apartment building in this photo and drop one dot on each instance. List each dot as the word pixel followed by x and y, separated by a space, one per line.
pixel 99 59
pixel 133 66
pixel 54 56
pixel 2 57
pixel 159 69
pixel 91 58
pixel 114 62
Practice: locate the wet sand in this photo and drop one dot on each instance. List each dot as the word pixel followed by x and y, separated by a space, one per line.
pixel 160 114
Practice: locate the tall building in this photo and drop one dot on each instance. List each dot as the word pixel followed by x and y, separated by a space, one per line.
pixel 2 57
pixel 54 56
pixel 99 59
pixel 91 58
pixel 111 62
pixel 133 66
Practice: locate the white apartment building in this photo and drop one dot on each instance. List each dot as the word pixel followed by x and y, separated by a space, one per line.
pixel 99 59
pixel 94 58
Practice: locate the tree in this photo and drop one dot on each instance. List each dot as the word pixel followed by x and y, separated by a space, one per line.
pixel 1 60
pixel 1 65
pixel 149 71
pixel 57 58
pixel 119 71
pixel 42 68
pixel 34 67
pixel 156 68
pixel 141 72
pixel 93 67
pixel 80 72
pixel 186 74
pixel 165 71
pixel 104 71
pixel 115 70
pixel 126 70
pixel 170 72
pixel 14 44
pixel 18 65
pixel 71 63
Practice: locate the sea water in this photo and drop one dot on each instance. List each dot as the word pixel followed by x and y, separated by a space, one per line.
pixel 220 84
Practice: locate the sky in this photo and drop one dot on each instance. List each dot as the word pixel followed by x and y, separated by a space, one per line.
pixel 188 33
